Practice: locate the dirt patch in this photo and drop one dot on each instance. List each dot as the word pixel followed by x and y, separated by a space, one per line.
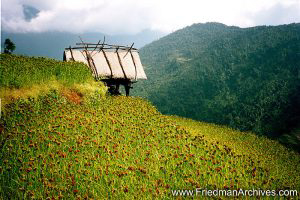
pixel 73 96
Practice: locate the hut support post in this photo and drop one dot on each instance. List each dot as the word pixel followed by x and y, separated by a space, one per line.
pixel 127 88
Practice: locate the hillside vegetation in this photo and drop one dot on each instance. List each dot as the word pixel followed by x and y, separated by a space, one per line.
pixel 71 141
pixel 247 78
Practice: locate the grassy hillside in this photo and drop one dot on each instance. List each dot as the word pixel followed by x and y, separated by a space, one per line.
pixel 73 143
pixel 24 77
pixel 247 78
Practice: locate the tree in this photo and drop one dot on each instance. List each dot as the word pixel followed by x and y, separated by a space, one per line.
pixel 9 46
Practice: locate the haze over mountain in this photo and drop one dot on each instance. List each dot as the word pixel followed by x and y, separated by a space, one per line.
pixel 248 78
pixel 52 44
pixel 44 28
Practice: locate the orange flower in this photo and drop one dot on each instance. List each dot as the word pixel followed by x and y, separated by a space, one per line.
pixel 63 155
pixel 218 169
pixel 226 187
pixel 131 168
pixel 28 169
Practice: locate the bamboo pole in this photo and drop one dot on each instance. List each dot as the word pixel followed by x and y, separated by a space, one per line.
pixel 108 63
pixel 121 64
pixel 90 47
pixel 129 50
pixel 109 45
pixel 134 65
pixel 71 54
pixel 90 60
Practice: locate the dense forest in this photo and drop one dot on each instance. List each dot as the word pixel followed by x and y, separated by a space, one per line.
pixel 248 78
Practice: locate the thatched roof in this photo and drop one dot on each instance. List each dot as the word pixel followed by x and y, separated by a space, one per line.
pixel 121 63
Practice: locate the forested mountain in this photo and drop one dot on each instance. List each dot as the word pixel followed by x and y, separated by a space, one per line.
pixel 248 78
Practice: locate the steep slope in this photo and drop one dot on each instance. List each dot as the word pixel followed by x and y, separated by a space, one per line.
pixel 247 78
pixel 100 147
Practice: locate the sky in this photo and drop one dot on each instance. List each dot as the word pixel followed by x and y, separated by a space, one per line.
pixel 132 16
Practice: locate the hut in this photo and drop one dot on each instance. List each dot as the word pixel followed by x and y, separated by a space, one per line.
pixel 115 65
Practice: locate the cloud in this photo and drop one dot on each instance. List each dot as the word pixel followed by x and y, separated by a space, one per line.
pixel 30 12
pixel 132 16
pixel 278 14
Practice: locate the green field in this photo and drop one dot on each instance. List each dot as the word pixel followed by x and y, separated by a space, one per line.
pixel 70 140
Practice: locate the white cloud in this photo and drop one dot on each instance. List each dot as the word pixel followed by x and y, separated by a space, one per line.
pixel 132 16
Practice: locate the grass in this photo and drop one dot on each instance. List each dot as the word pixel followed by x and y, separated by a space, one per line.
pixel 268 152
pixel 25 72
pixel 30 77
pixel 73 142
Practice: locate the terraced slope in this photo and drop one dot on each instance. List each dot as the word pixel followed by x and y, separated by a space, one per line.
pixel 65 144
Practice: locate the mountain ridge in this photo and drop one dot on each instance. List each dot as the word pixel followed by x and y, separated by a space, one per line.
pixel 219 73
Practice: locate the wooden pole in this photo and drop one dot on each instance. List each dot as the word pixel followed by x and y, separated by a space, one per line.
pixel 129 50
pixel 109 45
pixel 121 63
pixel 90 47
pixel 134 65
pixel 96 46
pixel 90 61
pixel 108 63
pixel 72 57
